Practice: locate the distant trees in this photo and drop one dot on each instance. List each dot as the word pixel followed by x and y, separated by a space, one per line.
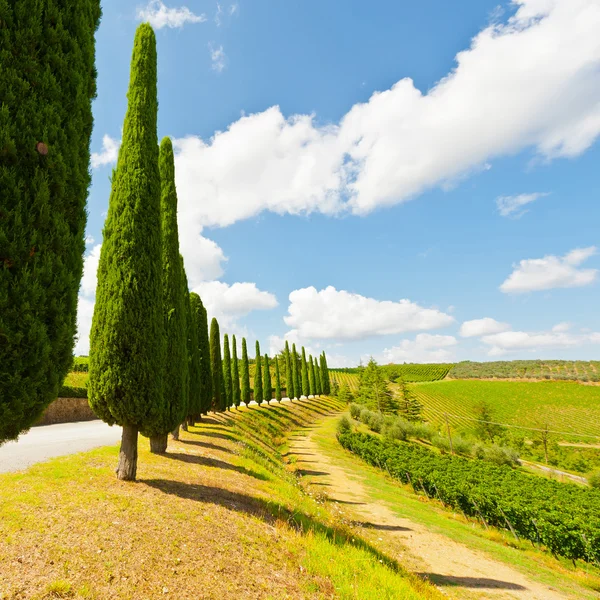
pixel 48 82
pixel 235 374
pixel 216 365
pixel 127 347
pixel 268 386
pixel 245 391
pixel 258 389
pixel 227 380
pixel 277 381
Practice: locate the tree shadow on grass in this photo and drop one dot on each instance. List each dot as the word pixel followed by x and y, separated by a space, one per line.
pixel 270 512
pixel 380 526
pixel 207 445
pixel 206 461
pixel 471 582
pixel 215 434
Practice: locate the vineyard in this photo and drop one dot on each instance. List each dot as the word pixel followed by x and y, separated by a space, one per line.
pixel 414 373
pixel 564 519
pixel 561 370
pixel 342 378
pixel 563 407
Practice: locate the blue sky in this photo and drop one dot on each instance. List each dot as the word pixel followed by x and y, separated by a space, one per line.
pixel 404 180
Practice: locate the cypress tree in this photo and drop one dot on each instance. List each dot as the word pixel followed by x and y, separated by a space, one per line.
pixel 127 347
pixel 258 389
pixel 289 380
pixel 268 385
pixel 295 374
pixel 312 383
pixel 195 376
pixel 175 295
pixel 187 389
pixel 227 373
pixel 47 83
pixel 305 386
pixel 245 392
pixel 216 368
pixel 318 378
pixel 206 391
pixel 235 375
pixel 277 381
pixel 325 375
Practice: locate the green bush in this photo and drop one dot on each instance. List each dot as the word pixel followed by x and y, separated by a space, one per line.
pixel 344 425
pixel 355 410
pixel 68 391
pixel 594 479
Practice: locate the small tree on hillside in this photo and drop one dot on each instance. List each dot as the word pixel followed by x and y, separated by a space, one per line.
pixel 216 364
pixel 374 391
pixel 228 384
pixel 410 407
pixel 305 386
pixel 235 374
pixel 486 428
pixel 258 387
pixel 245 393
pixel 277 381
pixel 268 386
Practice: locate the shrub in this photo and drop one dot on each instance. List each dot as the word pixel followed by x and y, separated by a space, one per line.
pixel 501 456
pixel 397 430
pixel 423 431
pixel 461 445
pixel 365 413
pixel 344 425
pixel 355 410
pixel 376 421
pixel 594 479
pixel 68 391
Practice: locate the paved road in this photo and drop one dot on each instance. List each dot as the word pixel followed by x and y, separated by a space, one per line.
pixel 48 441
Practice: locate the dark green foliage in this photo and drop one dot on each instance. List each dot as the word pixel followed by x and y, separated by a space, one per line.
pixel 410 408
pixel 175 298
pixel 325 375
pixel 47 83
pixel 205 360
pixel 295 373
pixel 312 377
pixel 227 373
pixel 68 391
pixel 267 383
pixel 318 383
pixel 373 389
pixel 195 372
pixel 564 518
pixel 245 391
pixel 258 388
pixel 235 375
pixel 216 365
pixel 305 383
pixel 127 350
pixel 81 364
pixel 289 379
pixel 277 381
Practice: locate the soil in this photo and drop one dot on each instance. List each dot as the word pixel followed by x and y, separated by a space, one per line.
pixel 450 565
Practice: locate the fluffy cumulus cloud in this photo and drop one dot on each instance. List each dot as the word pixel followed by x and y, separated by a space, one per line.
pixel 512 206
pixel 108 155
pixel 87 297
pixel 550 272
pixel 559 337
pixel 424 348
pixel 479 327
pixel 403 141
pixel 342 315
pixel 159 15
pixel 230 302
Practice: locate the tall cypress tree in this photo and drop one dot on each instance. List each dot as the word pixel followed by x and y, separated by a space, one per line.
pixel 195 377
pixel 258 389
pixel 325 374
pixel 318 383
pixel 216 367
pixel 268 385
pixel 127 347
pixel 277 380
pixel 227 373
pixel 312 386
pixel 235 375
pixel 175 295
pixel 205 360
pixel 295 373
pixel 289 380
pixel 305 386
pixel 47 83
pixel 245 392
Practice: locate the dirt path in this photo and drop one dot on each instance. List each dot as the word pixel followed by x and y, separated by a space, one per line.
pixel 451 565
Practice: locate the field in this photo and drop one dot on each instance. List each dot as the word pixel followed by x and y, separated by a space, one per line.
pixel 573 370
pixel 349 379
pixel 570 408
pixel 416 372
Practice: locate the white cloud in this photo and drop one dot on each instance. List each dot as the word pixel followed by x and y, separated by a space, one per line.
pixel 424 348
pixel 551 272
pixel 512 206
pixel 234 9
pixel 403 141
pixel 203 258
pixel 217 57
pixel 479 327
pixel 159 16
pixel 559 337
pixel 87 299
pixel 109 153
pixel 561 327
pixel 342 315
pixel 229 302
pixel 89 240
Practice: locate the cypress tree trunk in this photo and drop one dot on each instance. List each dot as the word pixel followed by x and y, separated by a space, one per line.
pixel 128 454
pixel 258 389
pixel 305 388
pixel 127 337
pixel 158 443
pixel 245 392
pixel 47 84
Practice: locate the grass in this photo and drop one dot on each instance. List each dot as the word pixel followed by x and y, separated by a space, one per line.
pixel 219 516
pixel 582 581
pixel 563 406
pixel 76 379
